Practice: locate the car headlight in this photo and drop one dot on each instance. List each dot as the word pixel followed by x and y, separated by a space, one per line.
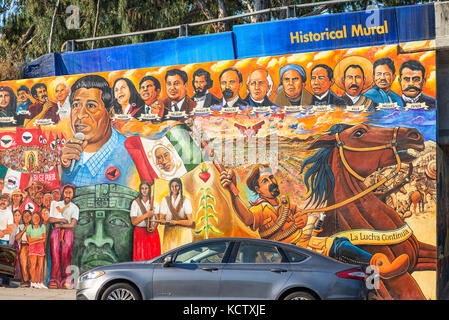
pixel 91 275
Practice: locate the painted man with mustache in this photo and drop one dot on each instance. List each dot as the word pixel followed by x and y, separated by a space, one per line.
pixel 101 157
pixel 231 81
pixel 383 75
pixel 412 77
pixel 42 108
pixel 264 213
pixel 176 90
pixel 321 81
pixel 201 83
pixel 354 82
pixel 63 215
pixel 149 90
pixel 274 217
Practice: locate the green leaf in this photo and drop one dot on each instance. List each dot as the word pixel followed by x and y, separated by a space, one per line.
pixel 215 230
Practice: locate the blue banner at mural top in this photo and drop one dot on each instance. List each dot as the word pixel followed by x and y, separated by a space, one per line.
pixel 336 31
pixel 152 54
pixel 327 32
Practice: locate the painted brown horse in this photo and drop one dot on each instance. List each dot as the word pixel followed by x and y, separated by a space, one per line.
pixel 328 179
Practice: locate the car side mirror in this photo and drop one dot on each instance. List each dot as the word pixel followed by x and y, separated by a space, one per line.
pixel 167 261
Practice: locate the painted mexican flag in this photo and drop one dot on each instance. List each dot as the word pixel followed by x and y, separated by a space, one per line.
pixel 13 179
pixel 170 156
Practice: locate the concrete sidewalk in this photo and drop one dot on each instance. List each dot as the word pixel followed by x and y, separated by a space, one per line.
pixel 17 293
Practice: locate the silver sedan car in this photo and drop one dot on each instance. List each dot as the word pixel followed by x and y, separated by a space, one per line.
pixel 230 269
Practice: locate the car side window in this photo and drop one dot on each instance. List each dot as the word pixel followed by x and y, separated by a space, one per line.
pixel 257 253
pixel 207 253
pixel 294 256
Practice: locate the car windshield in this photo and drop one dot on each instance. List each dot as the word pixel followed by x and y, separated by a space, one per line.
pixel 205 253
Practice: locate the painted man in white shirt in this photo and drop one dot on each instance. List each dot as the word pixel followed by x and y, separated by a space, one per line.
pixel 6 227
pixel 62 92
pixel 64 215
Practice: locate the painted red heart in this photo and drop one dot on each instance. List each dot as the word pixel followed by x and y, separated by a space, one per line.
pixel 204 176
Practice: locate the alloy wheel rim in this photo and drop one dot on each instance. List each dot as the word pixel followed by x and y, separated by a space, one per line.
pixel 121 294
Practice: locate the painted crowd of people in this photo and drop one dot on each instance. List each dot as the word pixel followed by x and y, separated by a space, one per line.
pixel 39 224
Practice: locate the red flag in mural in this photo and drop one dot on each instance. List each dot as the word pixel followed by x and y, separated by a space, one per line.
pixel 28 204
pixel 8 140
pixel 52 141
pixel 28 137
pixel 48 180
pixel 62 142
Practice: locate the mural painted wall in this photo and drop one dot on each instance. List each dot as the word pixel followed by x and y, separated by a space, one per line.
pixel 334 151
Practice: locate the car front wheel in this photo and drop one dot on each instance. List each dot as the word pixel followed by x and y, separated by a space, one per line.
pixel 120 291
pixel 300 295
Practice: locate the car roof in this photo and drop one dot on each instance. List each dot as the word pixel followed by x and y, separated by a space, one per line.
pixel 238 239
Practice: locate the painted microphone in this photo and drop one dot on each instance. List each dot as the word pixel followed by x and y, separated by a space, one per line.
pixel 79 136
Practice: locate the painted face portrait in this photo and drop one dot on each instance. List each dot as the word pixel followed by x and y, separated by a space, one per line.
pixel 319 81
pixel 67 195
pixel 41 94
pixel 39 198
pixel 89 115
pixel 46 202
pixel 17 217
pixel 164 159
pixel 353 81
pixel 199 85
pixel 56 195
pixel 292 82
pixel 36 218
pixel 412 82
pixel 144 190
pixel 148 92
pixel 103 233
pixel 230 85
pixel 32 190
pixel 26 217
pixel 383 77
pixel 122 92
pixel 61 92
pixel 5 98
pixel 22 95
pixel 175 88
pixel 258 85
pixel 45 214
pixel 268 186
pixel 175 188
pixel 101 238
pixel 3 203
pixel 16 198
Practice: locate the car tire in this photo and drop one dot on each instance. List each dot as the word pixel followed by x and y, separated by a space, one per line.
pixel 121 291
pixel 300 295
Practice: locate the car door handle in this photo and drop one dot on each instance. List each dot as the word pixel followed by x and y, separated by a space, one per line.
pixel 210 269
pixel 278 270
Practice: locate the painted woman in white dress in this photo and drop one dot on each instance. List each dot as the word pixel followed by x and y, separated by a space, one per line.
pixel 177 211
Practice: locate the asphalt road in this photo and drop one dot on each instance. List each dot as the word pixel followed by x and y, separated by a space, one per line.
pixel 17 293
